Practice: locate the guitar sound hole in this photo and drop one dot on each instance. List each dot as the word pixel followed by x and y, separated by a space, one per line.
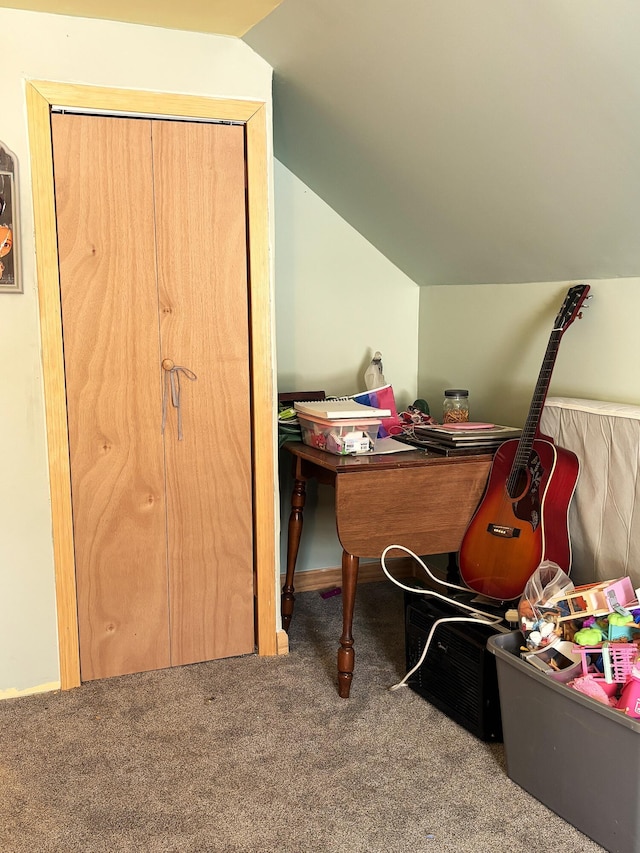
pixel 520 485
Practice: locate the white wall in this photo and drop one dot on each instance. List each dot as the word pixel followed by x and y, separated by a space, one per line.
pixel 492 339
pixel 51 47
pixel 338 300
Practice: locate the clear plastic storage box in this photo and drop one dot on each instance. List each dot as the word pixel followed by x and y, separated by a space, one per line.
pixel 343 437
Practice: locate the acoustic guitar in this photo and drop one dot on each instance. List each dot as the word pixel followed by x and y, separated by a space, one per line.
pixel 522 519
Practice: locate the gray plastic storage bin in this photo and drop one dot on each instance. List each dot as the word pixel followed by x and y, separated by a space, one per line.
pixel 577 756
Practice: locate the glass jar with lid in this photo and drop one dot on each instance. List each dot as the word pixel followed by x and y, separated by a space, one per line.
pixel 455 406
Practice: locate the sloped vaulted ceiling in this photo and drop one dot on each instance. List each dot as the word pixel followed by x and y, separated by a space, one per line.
pixel 470 142
pixel 223 17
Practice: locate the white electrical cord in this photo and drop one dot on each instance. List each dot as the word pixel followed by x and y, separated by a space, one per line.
pixel 478 615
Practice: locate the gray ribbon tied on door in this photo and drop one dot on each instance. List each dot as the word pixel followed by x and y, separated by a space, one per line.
pixel 171 390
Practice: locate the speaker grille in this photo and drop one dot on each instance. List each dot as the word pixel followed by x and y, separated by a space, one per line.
pixel 458 675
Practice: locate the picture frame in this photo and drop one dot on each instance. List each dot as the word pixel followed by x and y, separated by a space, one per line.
pixel 10 278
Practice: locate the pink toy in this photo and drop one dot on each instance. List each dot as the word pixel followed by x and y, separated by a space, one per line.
pixel 595 599
pixel 594 688
pixel 629 701
pixel 618 660
pixel 622 657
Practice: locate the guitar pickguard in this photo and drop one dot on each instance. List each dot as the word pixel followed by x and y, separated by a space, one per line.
pixel 527 507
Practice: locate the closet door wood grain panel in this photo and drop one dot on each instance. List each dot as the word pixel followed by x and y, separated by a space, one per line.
pixel 104 201
pixel 204 321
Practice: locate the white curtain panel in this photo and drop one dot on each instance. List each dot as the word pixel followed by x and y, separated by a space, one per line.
pixel 604 516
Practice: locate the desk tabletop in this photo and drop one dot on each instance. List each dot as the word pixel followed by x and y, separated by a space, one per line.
pixel 404 459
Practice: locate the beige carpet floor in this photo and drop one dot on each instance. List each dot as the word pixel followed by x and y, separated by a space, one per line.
pixel 260 754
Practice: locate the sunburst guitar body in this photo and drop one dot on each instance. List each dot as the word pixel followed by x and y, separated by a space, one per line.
pixel 522 518
pixel 509 535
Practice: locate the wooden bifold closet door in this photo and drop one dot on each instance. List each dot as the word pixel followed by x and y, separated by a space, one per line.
pixel 153 270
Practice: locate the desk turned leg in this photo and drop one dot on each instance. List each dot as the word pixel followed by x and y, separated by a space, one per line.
pixel 293 543
pixel 346 655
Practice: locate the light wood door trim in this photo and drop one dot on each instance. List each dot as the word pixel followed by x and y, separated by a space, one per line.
pixel 263 392
pixel 40 97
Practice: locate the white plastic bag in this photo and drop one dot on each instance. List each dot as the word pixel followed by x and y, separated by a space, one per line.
pixel 539 621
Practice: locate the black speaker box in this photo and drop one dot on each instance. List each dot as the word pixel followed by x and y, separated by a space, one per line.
pixel 458 675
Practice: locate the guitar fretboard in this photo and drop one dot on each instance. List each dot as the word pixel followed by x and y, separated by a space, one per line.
pixel 530 429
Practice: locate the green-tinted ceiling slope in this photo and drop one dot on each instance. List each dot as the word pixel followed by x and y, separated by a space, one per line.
pixel 470 142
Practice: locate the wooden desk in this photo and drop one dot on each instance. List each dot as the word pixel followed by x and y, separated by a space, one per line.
pixel 421 501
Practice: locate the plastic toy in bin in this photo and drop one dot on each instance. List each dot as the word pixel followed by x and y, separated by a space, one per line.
pixel 621 626
pixel 550 596
pixel 610 662
pixel 629 701
pixel 539 615
pixel 596 599
pixel 558 659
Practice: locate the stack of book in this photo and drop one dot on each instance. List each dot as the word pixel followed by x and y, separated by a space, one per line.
pixel 340 410
pixel 462 438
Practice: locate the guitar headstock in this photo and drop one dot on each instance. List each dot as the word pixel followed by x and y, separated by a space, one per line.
pixel 571 306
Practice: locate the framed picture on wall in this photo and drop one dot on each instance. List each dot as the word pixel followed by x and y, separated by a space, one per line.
pixel 10 281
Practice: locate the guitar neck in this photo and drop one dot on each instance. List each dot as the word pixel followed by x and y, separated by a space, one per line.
pixel 532 424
